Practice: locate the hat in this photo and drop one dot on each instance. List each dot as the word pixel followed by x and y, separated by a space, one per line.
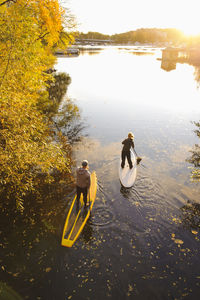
pixel 131 135
pixel 84 163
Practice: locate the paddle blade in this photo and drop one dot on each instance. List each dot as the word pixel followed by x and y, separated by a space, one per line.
pixel 138 160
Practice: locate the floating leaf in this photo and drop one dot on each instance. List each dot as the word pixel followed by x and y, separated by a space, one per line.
pixel 177 241
pixel 194 231
pixel 48 270
pixel 130 288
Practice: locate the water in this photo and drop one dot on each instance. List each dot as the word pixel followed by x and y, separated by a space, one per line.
pixel 140 243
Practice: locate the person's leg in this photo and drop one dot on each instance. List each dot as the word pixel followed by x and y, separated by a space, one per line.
pixel 85 195
pixel 78 194
pixel 123 159
pixel 128 155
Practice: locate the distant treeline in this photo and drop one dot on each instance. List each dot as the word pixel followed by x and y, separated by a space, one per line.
pixel 144 35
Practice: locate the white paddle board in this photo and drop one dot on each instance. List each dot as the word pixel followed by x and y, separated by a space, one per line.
pixel 127 176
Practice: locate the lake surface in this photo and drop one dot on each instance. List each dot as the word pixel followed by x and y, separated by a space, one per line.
pixel 140 243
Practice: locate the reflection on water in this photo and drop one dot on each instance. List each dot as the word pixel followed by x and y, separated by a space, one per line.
pixel 168 65
pixel 195 157
pixel 69 122
pixel 191 217
pixel 141 53
pixel 197 74
pixel 92 52
pixel 140 243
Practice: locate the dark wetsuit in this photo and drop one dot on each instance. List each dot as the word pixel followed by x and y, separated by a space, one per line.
pixel 128 143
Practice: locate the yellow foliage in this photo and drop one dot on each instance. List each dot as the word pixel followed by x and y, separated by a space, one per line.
pixel 28 29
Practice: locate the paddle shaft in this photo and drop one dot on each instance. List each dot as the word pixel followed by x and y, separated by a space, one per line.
pixel 135 152
pixel 138 158
pixel 89 195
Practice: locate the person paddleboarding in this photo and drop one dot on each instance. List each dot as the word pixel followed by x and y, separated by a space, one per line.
pixel 128 143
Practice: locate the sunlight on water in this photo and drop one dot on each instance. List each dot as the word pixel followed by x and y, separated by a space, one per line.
pixel 116 77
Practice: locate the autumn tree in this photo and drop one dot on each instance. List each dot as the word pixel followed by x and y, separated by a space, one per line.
pixel 28 31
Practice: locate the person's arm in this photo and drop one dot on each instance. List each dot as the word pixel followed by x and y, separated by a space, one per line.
pixel 132 144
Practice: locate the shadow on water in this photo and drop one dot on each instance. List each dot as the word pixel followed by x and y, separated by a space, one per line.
pixel 30 244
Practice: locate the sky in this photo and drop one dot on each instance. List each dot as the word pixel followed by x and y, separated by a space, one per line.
pixel 117 16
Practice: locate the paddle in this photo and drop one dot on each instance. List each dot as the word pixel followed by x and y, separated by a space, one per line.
pixel 89 197
pixel 138 158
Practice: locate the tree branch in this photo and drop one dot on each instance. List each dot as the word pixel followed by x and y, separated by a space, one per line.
pixel 42 36
pixel 7 1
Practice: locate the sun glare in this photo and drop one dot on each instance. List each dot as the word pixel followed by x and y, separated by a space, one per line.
pixel 115 16
pixel 189 30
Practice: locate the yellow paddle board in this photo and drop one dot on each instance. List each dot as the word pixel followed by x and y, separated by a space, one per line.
pixel 77 218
